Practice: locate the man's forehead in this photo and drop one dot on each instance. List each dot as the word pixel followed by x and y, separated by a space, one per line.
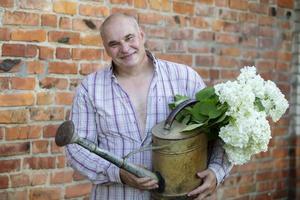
pixel 118 28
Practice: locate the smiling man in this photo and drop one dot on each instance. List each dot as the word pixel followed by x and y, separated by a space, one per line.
pixel 117 107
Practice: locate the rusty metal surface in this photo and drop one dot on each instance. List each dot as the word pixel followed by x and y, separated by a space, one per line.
pixel 179 162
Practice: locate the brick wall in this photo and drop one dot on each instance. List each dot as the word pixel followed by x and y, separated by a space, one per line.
pixel 295 114
pixel 52 44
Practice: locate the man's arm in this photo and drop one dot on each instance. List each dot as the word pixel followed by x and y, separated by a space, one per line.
pixel 88 164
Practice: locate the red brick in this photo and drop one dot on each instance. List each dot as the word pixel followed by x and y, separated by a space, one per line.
pixel 65 7
pixel 63 53
pixel 7 3
pixel 246 189
pixel 4 83
pixel 186 34
pixel 46 53
pixel 17 50
pixel 86 54
pixel 23 99
pixel 230 51
pixel 1 133
pixel 40 146
pixel 204 36
pixel 227 38
pixel 19 180
pixel 229 62
pixel 61 177
pixel 128 2
pixel 23 132
pixel 79 24
pixel 62 68
pixel 74 83
pixel 14 116
pixel 183 8
pixel 43 5
pixel 65 23
pixel 11 165
pixel 63 98
pixel 78 190
pixel 51 82
pixel 39 178
pixel 217 25
pixel 150 18
pixel 91 40
pixel 204 60
pixel 49 131
pixel 14 149
pixel 77 176
pixel 221 3
pixel 127 11
pixel 286 3
pixel 39 163
pixel 3 179
pixel 49 20
pixel 29 35
pixel 238 4
pixel 54 149
pixel 5 34
pixel 14 194
pixel 179 58
pixel 35 67
pixel 46 114
pixel 87 68
pixel 55 36
pixel 21 18
pixel 199 22
pixel 44 98
pixel 23 84
pixel 247 17
pixel 140 3
pixel 92 10
pixel 61 162
pixel 43 193
pixel 31 51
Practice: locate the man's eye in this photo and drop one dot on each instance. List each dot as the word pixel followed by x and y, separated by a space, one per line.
pixel 129 37
pixel 113 45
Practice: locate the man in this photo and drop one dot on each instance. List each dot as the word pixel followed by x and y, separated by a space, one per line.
pixel 117 107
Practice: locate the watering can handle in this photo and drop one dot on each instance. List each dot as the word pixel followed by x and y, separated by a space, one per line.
pixel 173 114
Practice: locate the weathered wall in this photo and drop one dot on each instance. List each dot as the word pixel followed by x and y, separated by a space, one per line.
pixel 58 43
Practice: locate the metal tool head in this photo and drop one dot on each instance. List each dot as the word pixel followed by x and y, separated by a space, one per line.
pixel 64 134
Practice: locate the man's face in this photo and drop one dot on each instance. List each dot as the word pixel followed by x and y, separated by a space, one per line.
pixel 124 42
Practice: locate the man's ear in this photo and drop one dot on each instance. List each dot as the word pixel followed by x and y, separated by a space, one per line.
pixel 143 36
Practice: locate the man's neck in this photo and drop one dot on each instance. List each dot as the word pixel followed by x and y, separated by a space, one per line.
pixel 146 67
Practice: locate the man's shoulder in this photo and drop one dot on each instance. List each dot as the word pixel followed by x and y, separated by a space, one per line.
pixel 170 66
pixel 101 73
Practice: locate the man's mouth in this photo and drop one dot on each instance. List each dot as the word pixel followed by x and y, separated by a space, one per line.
pixel 127 56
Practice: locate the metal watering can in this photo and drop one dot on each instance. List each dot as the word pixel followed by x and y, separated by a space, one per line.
pixel 176 156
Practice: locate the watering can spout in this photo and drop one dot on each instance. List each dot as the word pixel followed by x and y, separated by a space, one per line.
pixel 66 135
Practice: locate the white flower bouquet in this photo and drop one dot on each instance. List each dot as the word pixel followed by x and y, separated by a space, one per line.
pixel 236 111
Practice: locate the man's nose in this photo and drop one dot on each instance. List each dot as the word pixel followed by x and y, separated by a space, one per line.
pixel 124 47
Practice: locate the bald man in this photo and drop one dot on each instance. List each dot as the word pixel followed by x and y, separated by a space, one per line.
pixel 117 107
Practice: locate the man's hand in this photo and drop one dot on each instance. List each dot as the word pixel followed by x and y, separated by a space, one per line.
pixel 144 183
pixel 207 187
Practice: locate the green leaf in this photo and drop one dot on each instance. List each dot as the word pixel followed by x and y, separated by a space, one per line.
pixel 191 127
pixel 178 99
pixel 258 104
pixel 205 93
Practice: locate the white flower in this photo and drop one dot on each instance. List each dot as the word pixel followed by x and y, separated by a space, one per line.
pixel 248 132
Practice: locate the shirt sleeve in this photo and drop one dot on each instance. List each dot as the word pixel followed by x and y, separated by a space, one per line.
pixel 218 160
pixel 98 170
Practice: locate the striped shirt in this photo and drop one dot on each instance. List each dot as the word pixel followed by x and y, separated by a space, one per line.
pixel 103 114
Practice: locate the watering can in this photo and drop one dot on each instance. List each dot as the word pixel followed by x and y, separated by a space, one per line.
pixel 176 156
